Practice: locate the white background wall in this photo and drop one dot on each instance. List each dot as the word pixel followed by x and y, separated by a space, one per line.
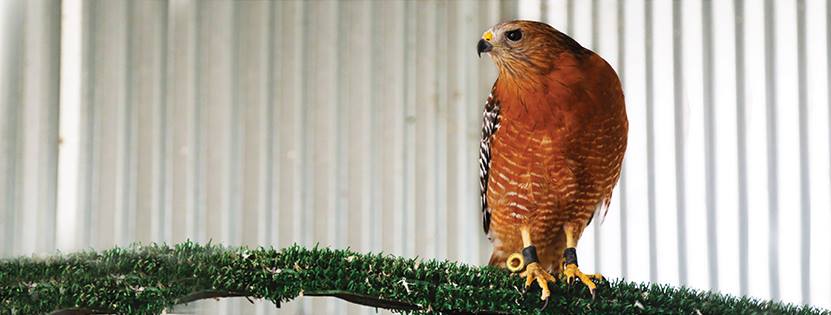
pixel 356 124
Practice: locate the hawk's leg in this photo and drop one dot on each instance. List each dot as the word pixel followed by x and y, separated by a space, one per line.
pixel 533 270
pixel 570 272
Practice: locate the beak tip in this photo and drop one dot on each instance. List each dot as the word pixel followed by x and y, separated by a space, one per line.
pixel 483 46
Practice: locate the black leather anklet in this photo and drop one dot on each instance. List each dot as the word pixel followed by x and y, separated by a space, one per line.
pixel 530 255
pixel 570 255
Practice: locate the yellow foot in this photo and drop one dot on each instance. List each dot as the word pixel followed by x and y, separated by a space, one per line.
pixel 534 272
pixel 571 271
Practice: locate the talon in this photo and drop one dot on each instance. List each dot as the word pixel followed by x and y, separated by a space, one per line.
pixel 533 272
pixel 529 280
pixel 571 272
pixel 544 305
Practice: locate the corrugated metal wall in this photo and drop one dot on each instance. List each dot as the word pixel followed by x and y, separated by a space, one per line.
pixel 356 124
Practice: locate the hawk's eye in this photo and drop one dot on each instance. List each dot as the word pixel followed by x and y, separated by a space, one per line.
pixel 514 35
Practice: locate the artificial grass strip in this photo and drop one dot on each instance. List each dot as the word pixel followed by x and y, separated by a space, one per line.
pixel 149 279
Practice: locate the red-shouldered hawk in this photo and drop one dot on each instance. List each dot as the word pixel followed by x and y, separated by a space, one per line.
pixel 553 139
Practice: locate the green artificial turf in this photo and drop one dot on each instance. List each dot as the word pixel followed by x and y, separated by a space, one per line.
pixel 149 279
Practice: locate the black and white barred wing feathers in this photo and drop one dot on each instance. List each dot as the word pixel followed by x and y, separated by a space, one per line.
pixel 490 123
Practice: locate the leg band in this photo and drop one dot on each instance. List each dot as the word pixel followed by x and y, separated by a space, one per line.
pixel 570 255
pixel 530 255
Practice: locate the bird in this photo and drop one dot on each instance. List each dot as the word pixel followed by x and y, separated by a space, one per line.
pixel 554 132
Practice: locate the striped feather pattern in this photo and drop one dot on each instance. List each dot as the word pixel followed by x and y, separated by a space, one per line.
pixel 490 123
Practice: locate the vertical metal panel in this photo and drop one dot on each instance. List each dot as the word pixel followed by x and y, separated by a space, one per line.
pixel 409 117
pixel 635 164
pixel 455 135
pixel 442 127
pixel 356 111
pixel 531 9
pixel 342 143
pixel 426 107
pixel 87 173
pixel 271 208
pixel 254 84
pixel 11 54
pixel 709 143
pixel 804 159
pixel 387 97
pixel 815 88
pixel 557 14
pixel 691 131
pixel 828 100
pixel 70 164
pixel 664 138
pixel 741 144
pixel 509 9
pixel 182 43
pixel 772 165
pixel 595 40
pixel 680 143
pixel 725 141
pixel 459 16
pixel 322 101
pixel 7 23
pixel 621 67
pixel 650 134
pixel 146 94
pixel 163 222
pixel 220 127
pixel 828 96
pixel 291 113
pixel 569 17
pixel 39 121
pixel 108 99
pixel 755 111
pixel 788 147
pixel 126 189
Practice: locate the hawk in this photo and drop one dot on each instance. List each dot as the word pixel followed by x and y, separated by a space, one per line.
pixel 553 138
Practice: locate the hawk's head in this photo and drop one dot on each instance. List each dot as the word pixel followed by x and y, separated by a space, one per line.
pixel 525 47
